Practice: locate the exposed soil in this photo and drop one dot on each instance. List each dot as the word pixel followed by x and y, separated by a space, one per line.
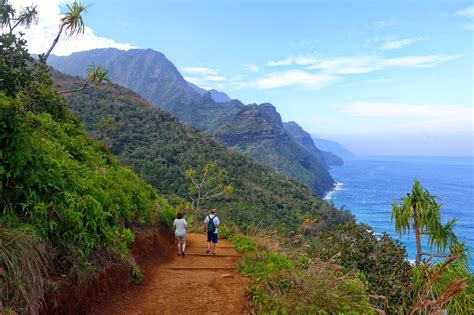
pixel 153 245
pixel 195 284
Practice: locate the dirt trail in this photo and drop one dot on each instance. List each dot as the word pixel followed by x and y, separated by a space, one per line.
pixel 195 284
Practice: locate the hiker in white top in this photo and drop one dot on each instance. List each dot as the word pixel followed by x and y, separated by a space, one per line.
pixel 211 223
pixel 180 233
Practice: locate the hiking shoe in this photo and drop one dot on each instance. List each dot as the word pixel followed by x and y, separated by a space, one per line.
pixel 179 254
pixel 213 254
pixel 208 251
pixel 184 254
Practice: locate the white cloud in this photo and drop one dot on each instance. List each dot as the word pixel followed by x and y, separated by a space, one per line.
pixel 378 25
pixel 427 61
pixel 466 12
pixel 41 36
pixel 202 76
pixel 406 118
pixel 285 62
pixel 199 70
pixel 383 109
pixel 396 44
pixel 253 68
pixel 209 78
pixel 304 79
pixel 375 81
pixel 363 64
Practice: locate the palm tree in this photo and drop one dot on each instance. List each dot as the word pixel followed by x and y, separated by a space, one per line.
pixel 72 23
pixel 420 211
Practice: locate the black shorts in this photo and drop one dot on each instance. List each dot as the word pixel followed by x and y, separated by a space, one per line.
pixel 212 237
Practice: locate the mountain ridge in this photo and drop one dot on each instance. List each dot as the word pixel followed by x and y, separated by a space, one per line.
pixel 153 76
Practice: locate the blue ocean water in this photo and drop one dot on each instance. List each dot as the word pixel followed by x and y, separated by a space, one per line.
pixel 368 186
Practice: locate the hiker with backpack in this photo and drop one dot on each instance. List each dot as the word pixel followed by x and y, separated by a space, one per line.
pixel 210 226
pixel 180 233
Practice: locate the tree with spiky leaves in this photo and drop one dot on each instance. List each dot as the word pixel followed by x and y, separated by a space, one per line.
pixel 72 23
pixel 95 76
pixel 420 211
pixel 9 18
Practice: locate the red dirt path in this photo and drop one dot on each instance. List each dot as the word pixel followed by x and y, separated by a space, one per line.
pixel 195 284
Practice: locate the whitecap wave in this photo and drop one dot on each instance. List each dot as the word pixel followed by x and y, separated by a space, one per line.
pixel 330 195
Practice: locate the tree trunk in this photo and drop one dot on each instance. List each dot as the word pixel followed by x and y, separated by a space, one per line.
pixel 55 41
pixel 418 239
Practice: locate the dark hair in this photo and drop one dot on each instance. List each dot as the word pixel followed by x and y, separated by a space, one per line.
pixel 179 215
pixel 213 211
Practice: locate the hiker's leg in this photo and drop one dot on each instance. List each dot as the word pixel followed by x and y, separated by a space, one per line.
pixel 209 240
pixel 179 248
pixel 184 245
pixel 214 242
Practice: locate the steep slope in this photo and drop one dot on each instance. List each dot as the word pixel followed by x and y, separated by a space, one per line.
pixel 258 131
pixel 147 72
pixel 304 139
pixel 333 147
pixel 155 78
pixel 160 149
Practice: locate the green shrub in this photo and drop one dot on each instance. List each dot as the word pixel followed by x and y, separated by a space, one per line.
pixel 243 243
pixel 258 264
pixel 382 261
pixel 319 289
pixel 462 303
pixel 77 197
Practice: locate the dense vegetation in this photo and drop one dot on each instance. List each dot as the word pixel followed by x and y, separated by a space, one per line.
pixel 160 149
pixel 63 196
pixel 255 130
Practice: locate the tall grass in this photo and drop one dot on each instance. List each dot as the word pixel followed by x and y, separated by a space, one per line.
pixel 23 265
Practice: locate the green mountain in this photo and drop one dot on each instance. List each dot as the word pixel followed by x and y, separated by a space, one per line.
pixel 147 72
pixel 155 78
pixel 257 130
pixel 304 139
pixel 159 148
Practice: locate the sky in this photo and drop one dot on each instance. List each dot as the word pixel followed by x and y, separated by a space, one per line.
pixel 379 77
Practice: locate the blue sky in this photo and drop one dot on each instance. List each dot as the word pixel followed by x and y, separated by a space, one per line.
pixel 381 77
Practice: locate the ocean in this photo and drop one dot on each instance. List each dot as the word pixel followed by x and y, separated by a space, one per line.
pixel 367 186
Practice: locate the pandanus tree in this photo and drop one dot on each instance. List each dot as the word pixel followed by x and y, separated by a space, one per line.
pixel 71 23
pixel 420 211
pixel 9 18
pixel 95 76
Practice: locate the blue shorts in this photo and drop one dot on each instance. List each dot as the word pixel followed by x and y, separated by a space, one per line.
pixel 212 237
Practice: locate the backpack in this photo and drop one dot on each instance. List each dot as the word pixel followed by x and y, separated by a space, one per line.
pixel 211 226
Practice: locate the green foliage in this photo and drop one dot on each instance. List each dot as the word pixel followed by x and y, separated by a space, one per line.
pixel 447 285
pixel 382 261
pixel 258 264
pixel 9 17
pixel 68 187
pixel 72 194
pixel 160 149
pixel 243 243
pixel 23 265
pixel 15 69
pixel 420 211
pixel 318 289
